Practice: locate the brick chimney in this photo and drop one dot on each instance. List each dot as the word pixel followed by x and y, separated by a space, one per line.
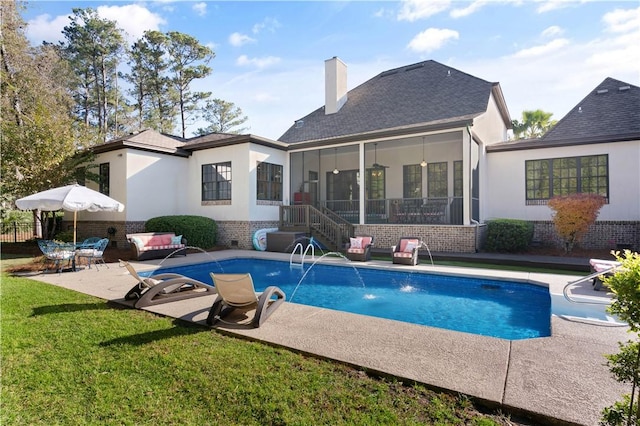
pixel 335 85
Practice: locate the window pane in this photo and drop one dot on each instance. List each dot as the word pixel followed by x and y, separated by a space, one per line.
pixel 216 181
pixel 457 179
pixel 269 182
pixel 412 181
pixel 437 180
pixel 104 178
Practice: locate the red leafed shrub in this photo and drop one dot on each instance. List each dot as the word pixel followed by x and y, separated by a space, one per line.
pixel 574 214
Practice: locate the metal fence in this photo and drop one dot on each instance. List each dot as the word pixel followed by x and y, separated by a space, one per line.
pixel 14 232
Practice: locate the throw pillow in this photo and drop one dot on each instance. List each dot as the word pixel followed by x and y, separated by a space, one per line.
pixel 411 245
pixel 177 240
pixel 356 243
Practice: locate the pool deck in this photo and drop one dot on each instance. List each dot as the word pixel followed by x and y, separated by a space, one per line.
pixel 560 379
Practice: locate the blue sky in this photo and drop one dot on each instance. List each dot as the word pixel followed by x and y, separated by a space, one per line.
pixel 545 54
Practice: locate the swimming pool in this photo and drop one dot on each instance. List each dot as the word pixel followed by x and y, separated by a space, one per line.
pixel 489 307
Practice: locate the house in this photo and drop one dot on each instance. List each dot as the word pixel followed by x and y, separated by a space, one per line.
pixel 418 150
pixel 594 148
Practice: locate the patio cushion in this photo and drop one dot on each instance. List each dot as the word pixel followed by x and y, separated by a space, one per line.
pixel 355 250
pixel 355 243
pixel 402 254
pixel 407 246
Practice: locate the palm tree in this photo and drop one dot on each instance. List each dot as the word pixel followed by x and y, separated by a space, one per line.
pixel 534 124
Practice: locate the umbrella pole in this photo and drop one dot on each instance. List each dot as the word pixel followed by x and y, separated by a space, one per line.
pixel 75 214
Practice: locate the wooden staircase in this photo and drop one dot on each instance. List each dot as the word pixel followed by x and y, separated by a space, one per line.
pixel 324 225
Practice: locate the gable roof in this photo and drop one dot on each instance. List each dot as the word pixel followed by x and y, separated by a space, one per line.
pixel 146 140
pixel 609 113
pixel 413 95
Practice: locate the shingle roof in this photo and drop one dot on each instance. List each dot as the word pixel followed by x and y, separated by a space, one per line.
pixel 609 112
pixel 420 93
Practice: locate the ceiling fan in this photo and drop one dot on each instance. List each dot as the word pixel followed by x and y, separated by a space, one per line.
pixel 375 164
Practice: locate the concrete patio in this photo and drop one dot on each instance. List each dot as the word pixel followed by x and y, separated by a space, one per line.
pixel 559 379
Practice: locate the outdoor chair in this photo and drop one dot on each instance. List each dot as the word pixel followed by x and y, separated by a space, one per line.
pixel 236 293
pixel 93 252
pixel 606 267
pixel 57 253
pixel 406 251
pixel 360 248
pixel 163 288
pixel 88 243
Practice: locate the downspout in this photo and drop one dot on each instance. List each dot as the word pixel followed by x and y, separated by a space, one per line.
pixel 471 219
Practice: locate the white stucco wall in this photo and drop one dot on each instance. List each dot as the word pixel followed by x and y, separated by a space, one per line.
pixel 117 187
pixel 155 185
pixel 505 196
pixel 243 206
pixel 489 126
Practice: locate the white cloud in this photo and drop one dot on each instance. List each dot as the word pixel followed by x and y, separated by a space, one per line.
pixel 542 50
pixel 200 8
pixel 412 10
pixel 260 63
pixel 552 31
pixel 622 20
pixel 432 39
pixel 45 28
pixel 133 19
pixel 269 24
pixel 265 97
pixel 237 39
pixel 549 5
pixel 472 8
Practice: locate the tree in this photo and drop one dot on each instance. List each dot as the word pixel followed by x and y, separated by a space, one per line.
pixel 625 365
pixel 41 143
pixel 223 116
pixel 574 214
pixel 155 100
pixel 534 124
pixel 188 62
pixel 93 48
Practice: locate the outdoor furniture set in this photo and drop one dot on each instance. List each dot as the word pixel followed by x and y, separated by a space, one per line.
pixel 91 249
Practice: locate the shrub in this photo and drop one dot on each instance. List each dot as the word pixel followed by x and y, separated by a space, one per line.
pixel 508 235
pixel 199 231
pixel 573 216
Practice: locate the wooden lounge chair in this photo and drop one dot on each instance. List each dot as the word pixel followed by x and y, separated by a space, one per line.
pixel 163 288
pixel 236 293
pixel 406 251
pixel 360 248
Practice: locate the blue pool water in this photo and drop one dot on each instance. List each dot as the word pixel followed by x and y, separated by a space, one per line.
pixel 508 310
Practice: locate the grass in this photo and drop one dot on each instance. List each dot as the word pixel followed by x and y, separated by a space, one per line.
pixel 69 358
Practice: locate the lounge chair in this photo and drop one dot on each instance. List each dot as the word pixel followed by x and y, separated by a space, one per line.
pixel 360 248
pixel 93 252
pixel 57 253
pixel 607 267
pixel 236 292
pixel 163 288
pixel 406 251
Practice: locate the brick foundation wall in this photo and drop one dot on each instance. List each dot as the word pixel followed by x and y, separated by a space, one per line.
pixel 87 229
pixel 439 238
pixel 609 235
pixel 239 234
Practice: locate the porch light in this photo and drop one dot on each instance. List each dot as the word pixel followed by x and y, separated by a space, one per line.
pixel 423 163
pixel 335 154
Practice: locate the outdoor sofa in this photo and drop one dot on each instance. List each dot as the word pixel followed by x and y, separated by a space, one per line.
pixel 156 245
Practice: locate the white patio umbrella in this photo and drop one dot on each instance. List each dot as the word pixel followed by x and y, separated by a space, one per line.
pixel 73 198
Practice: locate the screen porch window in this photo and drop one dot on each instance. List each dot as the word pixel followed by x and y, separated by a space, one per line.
pixel 269 182
pixel 216 181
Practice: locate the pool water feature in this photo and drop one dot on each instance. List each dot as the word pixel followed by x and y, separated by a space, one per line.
pixel 489 307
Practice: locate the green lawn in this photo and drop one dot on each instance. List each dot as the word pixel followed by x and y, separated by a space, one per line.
pixel 68 358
